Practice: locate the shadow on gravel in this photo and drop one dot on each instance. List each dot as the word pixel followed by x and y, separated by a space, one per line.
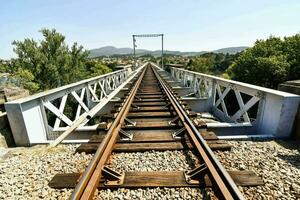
pixel 291 145
pixel 190 161
pixel 292 159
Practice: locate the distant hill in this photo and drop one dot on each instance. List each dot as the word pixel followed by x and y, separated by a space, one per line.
pixel 231 50
pixel 110 50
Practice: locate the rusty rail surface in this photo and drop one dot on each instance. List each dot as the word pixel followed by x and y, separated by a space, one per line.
pixel 162 102
pixel 88 183
pixel 224 182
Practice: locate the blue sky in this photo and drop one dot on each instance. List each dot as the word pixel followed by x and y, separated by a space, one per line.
pixel 189 25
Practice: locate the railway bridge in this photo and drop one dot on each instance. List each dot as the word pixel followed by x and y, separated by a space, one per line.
pixel 144 108
pixel 229 108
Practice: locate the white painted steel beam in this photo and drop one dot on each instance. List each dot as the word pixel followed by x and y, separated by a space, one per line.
pixel 28 117
pixel 276 109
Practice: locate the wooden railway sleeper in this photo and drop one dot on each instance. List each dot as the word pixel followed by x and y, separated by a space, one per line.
pixel 194 176
pixel 223 181
pixel 112 177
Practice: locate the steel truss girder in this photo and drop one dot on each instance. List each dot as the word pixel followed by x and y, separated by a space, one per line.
pixel 93 92
pixel 205 86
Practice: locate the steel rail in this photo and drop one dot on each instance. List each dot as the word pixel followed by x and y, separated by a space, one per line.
pixel 221 178
pixel 90 114
pixel 89 181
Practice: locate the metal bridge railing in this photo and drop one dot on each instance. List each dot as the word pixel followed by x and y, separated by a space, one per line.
pixel 269 111
pixel 39 117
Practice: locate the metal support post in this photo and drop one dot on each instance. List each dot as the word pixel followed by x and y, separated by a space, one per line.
pixel 162 51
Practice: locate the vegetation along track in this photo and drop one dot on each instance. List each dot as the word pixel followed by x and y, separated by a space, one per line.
pixel 151 116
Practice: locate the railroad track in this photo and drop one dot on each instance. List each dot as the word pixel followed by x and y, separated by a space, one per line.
pixel 152 117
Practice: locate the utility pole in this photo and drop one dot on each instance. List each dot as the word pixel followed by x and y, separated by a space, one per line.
pixel 149 35
pixel 134 59
pixel 162 51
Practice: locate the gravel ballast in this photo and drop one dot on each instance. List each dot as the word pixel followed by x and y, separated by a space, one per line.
pixel 153 161
pixel 278 163
pixel 156 193
pixel 25 172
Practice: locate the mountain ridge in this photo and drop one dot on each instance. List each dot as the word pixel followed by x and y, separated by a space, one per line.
pixel 111 50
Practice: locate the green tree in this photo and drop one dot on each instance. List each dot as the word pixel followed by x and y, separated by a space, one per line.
pixel 213 63
pixel 202 64
pixel 96 68
pixel 25 78
pixel 7 67
pixel 265 64
pixel 112 65
pixel 3 68
pixel 51 62
pixel 292 49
